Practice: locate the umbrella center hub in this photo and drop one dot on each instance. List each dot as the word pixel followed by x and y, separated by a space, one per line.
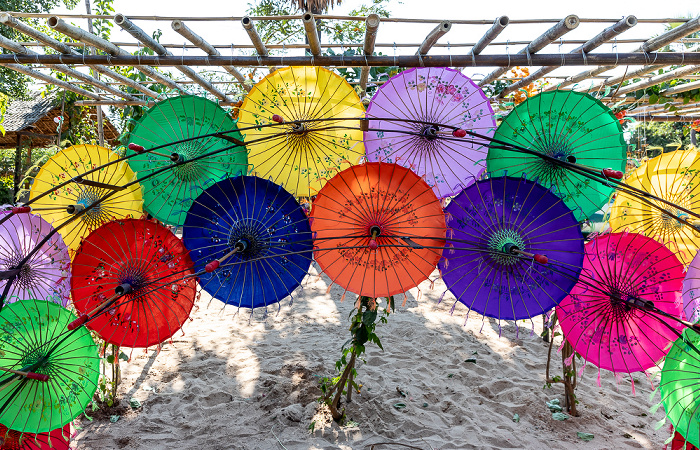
pixel 34 358
pixel 670 222
pixel 96 215
pixel 186 151
pixel 503 243
pixel 430 132
pixel 250 238
pixel 299 128
pixel 135 274
pixel 27 276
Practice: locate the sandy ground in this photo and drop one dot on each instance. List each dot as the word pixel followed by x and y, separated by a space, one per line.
pixel 232 382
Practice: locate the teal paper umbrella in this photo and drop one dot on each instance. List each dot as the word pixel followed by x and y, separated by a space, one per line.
pixel 191 166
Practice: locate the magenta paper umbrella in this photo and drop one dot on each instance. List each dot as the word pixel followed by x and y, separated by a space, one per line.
pixel 420 118
pixel 46 273
pixel 624 312
pixel 691 291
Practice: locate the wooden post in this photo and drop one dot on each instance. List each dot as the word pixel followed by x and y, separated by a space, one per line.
pixel 180 27
pixel 371 26
pixel 432 37
pixel 498 26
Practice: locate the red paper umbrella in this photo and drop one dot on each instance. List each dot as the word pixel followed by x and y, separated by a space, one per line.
pixel 58 439
pixel 378 229
pixel 132 279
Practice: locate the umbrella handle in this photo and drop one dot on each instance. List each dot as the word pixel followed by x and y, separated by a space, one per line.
pixel 78 322
pixel 21 209
pixel 277 118
pixel 610 173
pixel 30 375
pixel 136 148
pixel 459 133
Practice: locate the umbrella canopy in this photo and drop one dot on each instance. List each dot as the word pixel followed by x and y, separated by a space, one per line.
pixel 33 338
pixel 315 135
pixel 259 237
pixel 60 204
pixel 569 126
pixel 679 386
pixel 517 248
pixel 414 115
pixel 607 318
pixel 157 271
pixel 691 291
pixel 46 274
pixel 672 177
pixel 169 192
pixel 58 439
pixel 378 229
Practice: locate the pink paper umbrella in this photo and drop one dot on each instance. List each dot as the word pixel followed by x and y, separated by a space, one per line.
pixel 46 274
pixel 416 117
pixel 691 291
pixel 614 316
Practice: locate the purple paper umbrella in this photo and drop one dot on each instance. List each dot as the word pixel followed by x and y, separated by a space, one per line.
pixel 46 274
pixel 518 248
pixel 691 291
pixel 415 115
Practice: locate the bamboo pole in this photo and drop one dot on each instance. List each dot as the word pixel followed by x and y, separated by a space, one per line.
pixel 626 76
pixel 51 80
pixel 47 40
pixel 498 26
pixel 19 49
pixel 154 45
pixel 311 33
pixel 180 27
pixel 650 45
pixel 432 37
pixel 561 28
pixel 371 27
pixel 653 118
pixel 673 74
pixel 80 35
pixel 681 88
pixel 601 38
pixel 254 37
pixel 98 109
pixel 666 58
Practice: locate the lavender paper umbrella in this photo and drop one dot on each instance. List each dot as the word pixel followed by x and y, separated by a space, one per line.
pixel 46 274
pixel 415 115
pixel 691 291
pixel 518 248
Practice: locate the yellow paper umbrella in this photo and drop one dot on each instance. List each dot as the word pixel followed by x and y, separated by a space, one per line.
pixel 304 148
pixel 59 204
pixel 674 177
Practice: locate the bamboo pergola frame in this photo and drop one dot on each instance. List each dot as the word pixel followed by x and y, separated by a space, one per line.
pixel 101 56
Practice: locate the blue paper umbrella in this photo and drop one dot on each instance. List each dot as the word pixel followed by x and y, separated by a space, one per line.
pixel 251 238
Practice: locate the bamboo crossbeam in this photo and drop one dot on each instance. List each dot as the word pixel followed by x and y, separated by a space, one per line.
pixel 128 26
pixel 668 76
pixel 601 38
pixel 106 46
pixel 334 17
pixel 371 26
pixel 677 89
pixel 311 33
pixel 498 26
pixel 249 27
pixel 61 47
pixel 666 58
pixel 180 27
pixel 432 37
pixel 627 76
pixel 17 48
pixel 652 118
pixel 650 45
pixel 561 28
pixel 51 80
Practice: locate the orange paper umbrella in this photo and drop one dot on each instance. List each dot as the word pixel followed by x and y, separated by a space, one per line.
pixel 378 229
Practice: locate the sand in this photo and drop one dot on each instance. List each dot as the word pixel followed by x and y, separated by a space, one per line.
pixel 236 382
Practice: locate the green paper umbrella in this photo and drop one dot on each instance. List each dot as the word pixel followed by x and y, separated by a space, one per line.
pixel 168 195
pixel 34 338
pixel 567 125
pixel 680 386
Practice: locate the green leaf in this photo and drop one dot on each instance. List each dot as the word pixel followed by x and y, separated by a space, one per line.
pixel 123 356
pixel 559 416
pixel 470 360
pixel 114 418
pixel 312 426
pixel 584 436
pixel 607 90
pixel 135 404
pixel 516 418
pixel 399 405
pixel 368 317
pixel 110 359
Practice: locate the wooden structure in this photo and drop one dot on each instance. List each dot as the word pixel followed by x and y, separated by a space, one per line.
pixel 544 53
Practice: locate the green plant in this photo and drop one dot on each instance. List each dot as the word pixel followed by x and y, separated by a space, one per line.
pixel 362 326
